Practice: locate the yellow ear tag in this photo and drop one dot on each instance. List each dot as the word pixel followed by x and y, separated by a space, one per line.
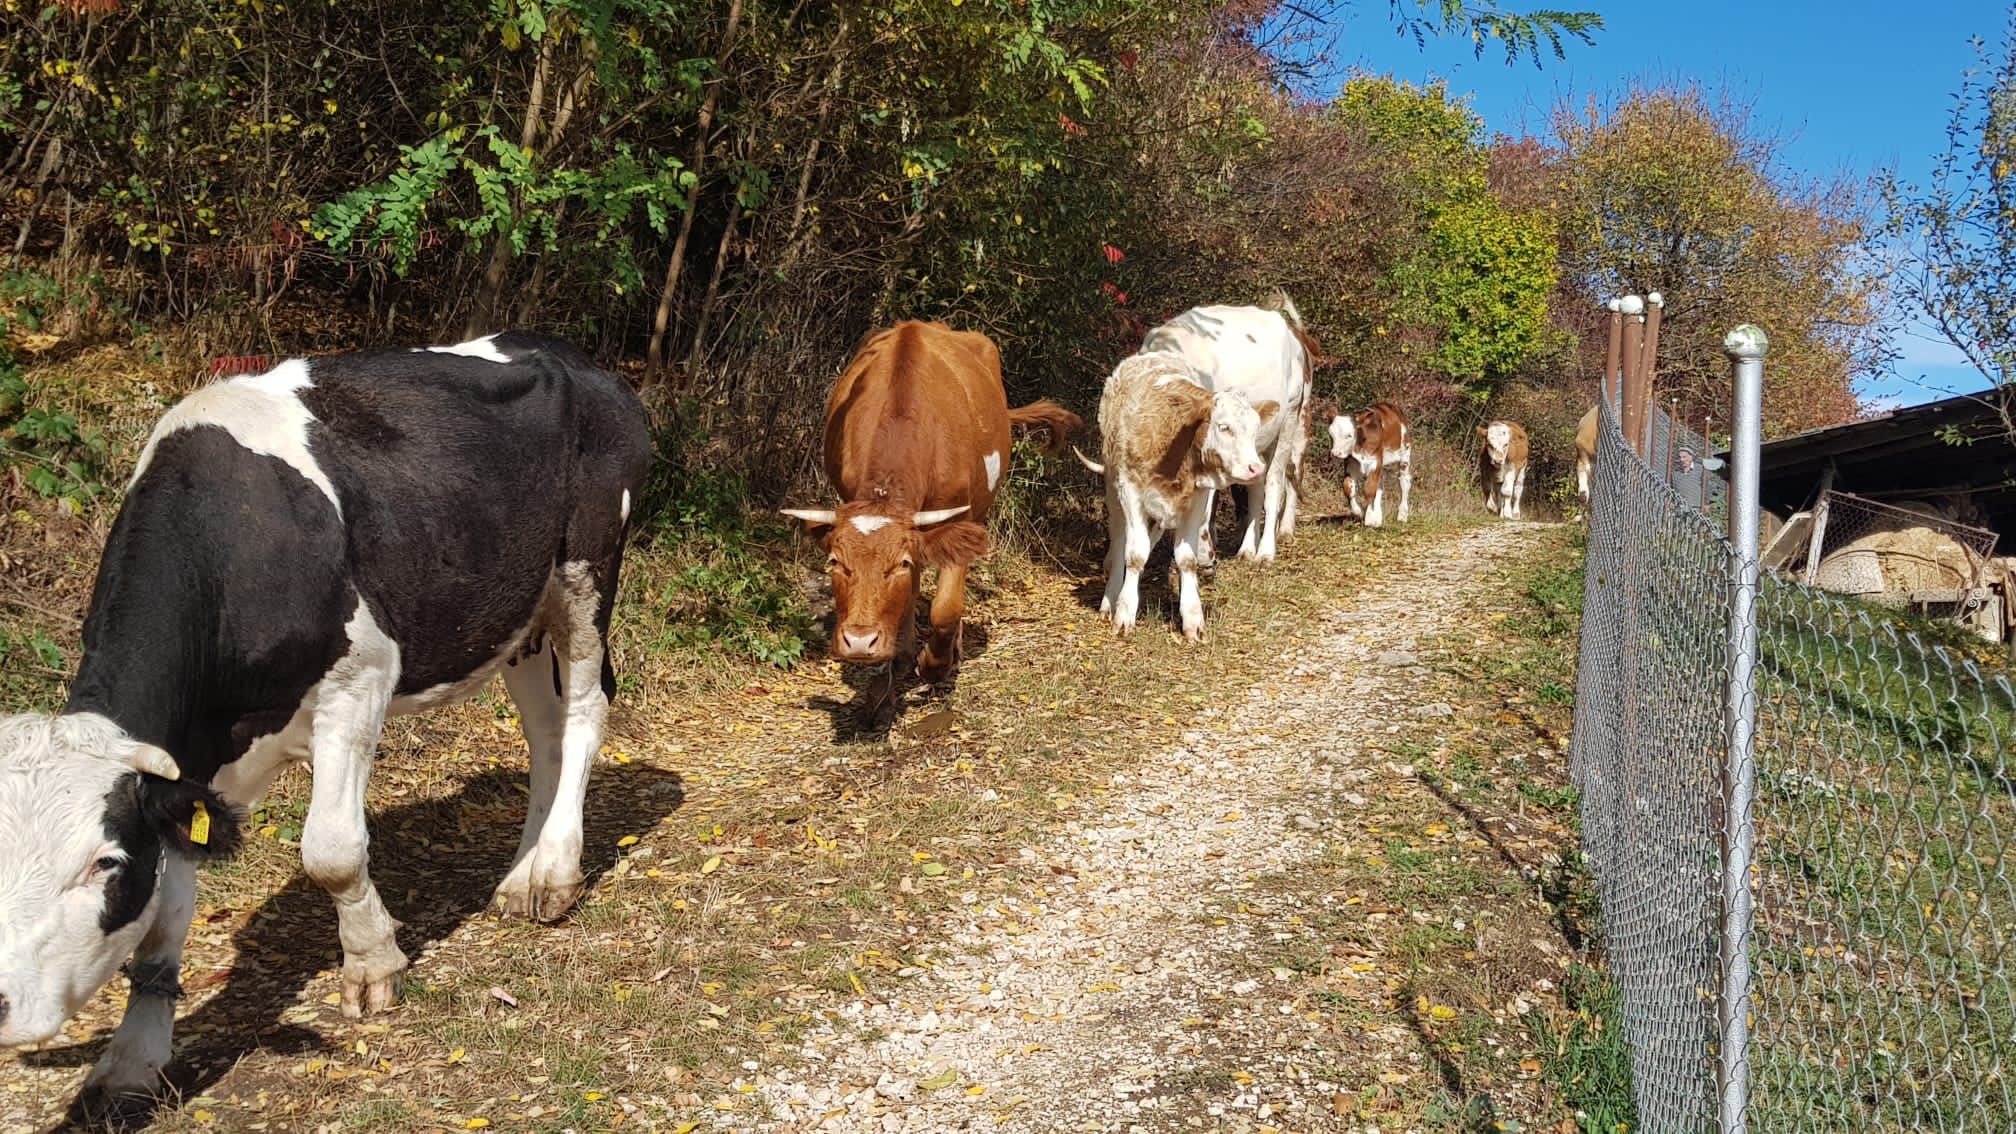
pixel 199 825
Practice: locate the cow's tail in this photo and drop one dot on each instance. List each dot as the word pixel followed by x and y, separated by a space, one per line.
pixel 1088 462
pixel 1061 422
pixel 1279 301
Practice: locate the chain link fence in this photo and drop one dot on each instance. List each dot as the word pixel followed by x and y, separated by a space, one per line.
pixel 1883 937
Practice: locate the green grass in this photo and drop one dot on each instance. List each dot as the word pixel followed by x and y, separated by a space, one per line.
pixel 1586 1055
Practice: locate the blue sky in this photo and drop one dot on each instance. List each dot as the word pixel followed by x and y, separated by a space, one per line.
pixel 1856 86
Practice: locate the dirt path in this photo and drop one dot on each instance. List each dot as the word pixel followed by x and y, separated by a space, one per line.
pixel 1153 984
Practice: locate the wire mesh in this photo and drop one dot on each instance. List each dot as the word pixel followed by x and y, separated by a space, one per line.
pixel 1885 800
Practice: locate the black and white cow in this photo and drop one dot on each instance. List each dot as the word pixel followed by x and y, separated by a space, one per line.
pixel 302 553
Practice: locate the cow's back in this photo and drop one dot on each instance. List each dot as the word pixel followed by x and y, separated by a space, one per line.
pixel 919 417
pixel 1249 351
pixel 442 487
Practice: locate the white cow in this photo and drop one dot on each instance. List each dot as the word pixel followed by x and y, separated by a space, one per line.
pixel 1261 354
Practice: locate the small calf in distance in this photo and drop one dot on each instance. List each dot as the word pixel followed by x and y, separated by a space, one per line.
pixel 1585 453
pixel 1373 439
pixel 1168 443
pixel 1504 467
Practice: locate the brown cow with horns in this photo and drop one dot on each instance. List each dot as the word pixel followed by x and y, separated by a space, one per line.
pixel 917 442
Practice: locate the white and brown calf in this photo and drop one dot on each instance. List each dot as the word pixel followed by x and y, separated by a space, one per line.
pixel 1168 443
pixel 1504 467
pixel 1374 439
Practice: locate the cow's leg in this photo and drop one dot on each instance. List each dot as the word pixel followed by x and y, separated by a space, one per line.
pixel 1249 531
pixel 1274 500
pixel 1375 495
pixel 533 682
pixel 948 608
pixel 1207 550
pixel 1519 494
pixel 334 842
pixel 1116 548
pixel 1134 556
pixel 1406 482
pixel 1184 556
pixel 127 1077
pixel 545 881
pixel 1351 479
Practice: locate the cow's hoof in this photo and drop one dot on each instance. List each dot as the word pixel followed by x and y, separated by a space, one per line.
pixel 1193 633
pixel 541 900
pixel 368 990
pixel 933 670
pixel 100 1106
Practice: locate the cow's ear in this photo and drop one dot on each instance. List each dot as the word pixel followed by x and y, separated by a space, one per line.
pixel 1267 410
pixel 191 819
pixel 953 544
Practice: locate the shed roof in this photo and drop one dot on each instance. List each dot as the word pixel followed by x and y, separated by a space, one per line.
pixel 1956 445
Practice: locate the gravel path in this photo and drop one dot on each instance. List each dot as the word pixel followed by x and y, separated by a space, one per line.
pixel 1124 994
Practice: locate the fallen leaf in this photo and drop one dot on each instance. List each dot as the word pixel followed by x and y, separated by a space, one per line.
pixel 711 865
pixel 504 996
pixel 939 1081
pixel 627 841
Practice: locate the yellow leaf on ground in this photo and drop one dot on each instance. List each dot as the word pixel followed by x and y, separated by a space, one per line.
pixel 711 865
pixel 627 841
pixel 939 1081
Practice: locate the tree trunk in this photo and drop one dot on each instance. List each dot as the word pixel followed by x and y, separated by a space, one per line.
pixel 661 319
pixel 483 313
pixel 791 243
pixel 699 346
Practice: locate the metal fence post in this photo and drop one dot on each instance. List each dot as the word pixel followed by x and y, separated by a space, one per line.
pixel 1745 346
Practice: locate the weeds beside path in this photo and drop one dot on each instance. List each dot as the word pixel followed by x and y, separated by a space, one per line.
pixel 1287 879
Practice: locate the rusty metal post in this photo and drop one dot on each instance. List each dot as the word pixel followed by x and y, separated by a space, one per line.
pixel 1611 391
pixel 1634 374
pixel 1655 306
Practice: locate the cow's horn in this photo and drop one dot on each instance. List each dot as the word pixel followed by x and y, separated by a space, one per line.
pixel 937 515
pixel 1089 462
pixel 813 515
pixel 153 761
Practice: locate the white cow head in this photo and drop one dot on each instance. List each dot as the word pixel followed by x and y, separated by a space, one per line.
pixel 87 815
pixel 1231 440
pixel 1497 441
pixel 1343 436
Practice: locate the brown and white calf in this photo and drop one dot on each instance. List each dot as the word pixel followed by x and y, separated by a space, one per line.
pixel 1169 443
pixel 1585 453
pixel 917 440
pixel 1373 439
pixel 1504 467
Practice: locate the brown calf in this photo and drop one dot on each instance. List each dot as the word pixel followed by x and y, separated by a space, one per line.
pixel 1374 438
pixel 917 441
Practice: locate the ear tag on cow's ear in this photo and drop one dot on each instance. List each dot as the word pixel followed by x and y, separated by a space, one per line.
pixel 199 825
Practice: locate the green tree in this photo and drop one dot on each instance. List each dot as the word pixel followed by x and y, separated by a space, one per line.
pixel 1958 233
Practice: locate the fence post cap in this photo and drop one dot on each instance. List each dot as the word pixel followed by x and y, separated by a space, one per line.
pixel 1746 342
pixel 1613 306
pixel 1631 305
pixel 1656 300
